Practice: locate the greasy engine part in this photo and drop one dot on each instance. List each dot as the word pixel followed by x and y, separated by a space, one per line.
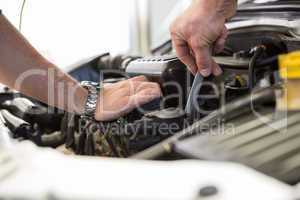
pixel 102 67
pixel 226 113
pixel 102 138
pixel 154 127
pixel 89 137
pixel 241 41
pixel 269 143
pixel 84 136
pixel 47 118
pixel 251 69
pixel 250 64
pixel 125 136
pixel 169 72
pixel 20 106
pixel 18 127
pixel 257 52
pixel 235 86
pixel 22 130
pixel 6 96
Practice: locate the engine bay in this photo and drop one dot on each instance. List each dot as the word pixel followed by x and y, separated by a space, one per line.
pixel 236 118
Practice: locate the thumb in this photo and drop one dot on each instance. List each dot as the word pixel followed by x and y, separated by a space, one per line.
pixel 203 60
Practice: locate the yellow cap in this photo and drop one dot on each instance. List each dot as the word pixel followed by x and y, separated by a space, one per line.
pixel 289 65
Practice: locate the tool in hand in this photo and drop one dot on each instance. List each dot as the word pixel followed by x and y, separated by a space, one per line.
pixel 190 105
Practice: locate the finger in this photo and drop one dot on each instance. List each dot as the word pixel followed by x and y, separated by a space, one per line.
pixel 183 53
pixel 150 92
pixel 143 97
pixel 139 99
pixel 138 78
pixel 220 43
pixel 203 60
pixel 217 71
pixel 107 84
pixel 147 85
pixel 131 85
pixel 125 83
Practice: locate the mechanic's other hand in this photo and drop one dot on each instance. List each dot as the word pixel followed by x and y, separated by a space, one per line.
pixel 116 100
pixel 201 30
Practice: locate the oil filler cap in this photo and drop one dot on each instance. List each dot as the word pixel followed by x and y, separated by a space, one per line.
pixel 289 65
pixel 288 99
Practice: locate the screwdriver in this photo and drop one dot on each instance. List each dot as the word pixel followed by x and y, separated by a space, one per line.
pixel 190 105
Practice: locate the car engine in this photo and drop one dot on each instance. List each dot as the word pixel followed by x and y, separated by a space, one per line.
pixel 237 118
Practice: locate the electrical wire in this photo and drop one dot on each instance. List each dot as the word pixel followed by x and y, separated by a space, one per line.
pixel 21 15
pixel 162 49
pixel 268 61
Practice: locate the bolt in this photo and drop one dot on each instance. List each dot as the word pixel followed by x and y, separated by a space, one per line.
pixel 208 191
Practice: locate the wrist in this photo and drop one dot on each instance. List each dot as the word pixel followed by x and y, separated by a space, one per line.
pixel 81 96
pixel 224 9
pixel 91 99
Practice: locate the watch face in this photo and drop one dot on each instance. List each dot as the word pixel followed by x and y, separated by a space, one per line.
pixel 94 84
pixel 90 85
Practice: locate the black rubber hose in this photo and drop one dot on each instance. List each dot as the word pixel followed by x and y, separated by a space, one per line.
pixel 257 53
pixel 166 46
pixel 267 62
pixel 52 140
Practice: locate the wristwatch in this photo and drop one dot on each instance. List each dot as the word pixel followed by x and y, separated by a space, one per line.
pixel 93 89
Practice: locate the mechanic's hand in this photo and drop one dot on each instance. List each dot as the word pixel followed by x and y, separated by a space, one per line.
pixel 201 30
pixel 116 100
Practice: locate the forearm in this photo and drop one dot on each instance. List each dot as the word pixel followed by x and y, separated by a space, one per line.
pixel 24 69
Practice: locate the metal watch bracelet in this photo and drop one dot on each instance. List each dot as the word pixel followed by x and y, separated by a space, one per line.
pixel 93 89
